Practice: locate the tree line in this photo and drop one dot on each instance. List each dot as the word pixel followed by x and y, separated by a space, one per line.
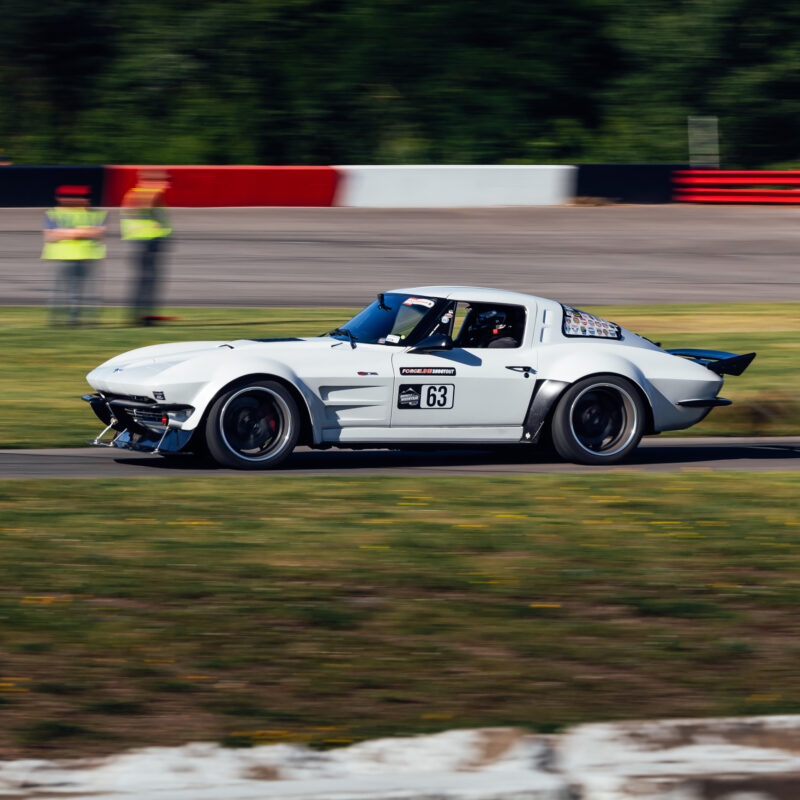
pixel 397 81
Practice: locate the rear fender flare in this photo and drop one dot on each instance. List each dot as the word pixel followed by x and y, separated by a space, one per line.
pixel 566 371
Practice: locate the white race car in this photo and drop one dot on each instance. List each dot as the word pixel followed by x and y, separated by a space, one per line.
pixel 432 365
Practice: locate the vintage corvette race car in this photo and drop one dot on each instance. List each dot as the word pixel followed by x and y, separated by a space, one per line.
pixel 433 365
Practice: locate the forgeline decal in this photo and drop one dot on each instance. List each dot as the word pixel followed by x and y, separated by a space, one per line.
pixel 579 323
pixel 427 370
pixel 425 395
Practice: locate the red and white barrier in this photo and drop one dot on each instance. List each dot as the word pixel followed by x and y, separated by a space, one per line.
pixel 455 186
pixel 736 186
pixel 402 186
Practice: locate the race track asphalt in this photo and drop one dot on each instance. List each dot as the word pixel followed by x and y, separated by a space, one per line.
pixel 343 256
pixel 654 455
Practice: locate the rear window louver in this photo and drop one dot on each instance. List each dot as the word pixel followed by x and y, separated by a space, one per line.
pixel 579 324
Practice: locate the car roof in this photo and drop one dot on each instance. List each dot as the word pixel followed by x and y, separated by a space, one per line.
pixel 477 294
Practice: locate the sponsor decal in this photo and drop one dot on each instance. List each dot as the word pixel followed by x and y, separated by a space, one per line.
pixel 408 396
pixel 418 301
pixel 393 338
pixel 427 370
pixel 159 395
pixel 367 373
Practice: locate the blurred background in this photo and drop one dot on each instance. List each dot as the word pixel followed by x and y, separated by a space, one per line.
pixel 175 608
pixel 396 81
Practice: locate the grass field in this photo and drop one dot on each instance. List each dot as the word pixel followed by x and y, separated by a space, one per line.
pixel 255 609
pixel 44 368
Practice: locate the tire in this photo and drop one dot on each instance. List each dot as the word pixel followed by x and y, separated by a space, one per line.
pixel 254 425
pixel 598 420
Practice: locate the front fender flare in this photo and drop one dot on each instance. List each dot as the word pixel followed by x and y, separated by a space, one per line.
pixel 227 374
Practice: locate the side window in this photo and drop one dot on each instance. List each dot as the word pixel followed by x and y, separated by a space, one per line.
pixel 451 320
pixel 491 326
pixel 461 311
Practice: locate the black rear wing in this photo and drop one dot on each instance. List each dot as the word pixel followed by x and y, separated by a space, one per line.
pixel 717 360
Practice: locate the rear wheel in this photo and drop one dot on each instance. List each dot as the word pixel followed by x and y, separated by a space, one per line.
pixel 599 420
pixel 253 426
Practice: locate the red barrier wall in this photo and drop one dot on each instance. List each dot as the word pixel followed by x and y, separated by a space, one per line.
pixel 736 186
pixel 196 186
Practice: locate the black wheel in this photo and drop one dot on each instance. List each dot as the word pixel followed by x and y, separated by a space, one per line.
pixel 255 425
pixel 598 420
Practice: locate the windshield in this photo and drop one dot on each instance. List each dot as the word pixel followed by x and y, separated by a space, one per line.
pixel 389 322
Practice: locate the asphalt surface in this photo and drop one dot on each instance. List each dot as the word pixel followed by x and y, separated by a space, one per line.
pixel 343 256
pixel 653 455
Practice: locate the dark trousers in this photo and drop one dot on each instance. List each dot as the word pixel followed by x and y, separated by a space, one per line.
pixel 148 258
pixel 73 290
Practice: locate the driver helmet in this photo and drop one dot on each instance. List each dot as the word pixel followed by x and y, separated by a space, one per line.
pixel 494 321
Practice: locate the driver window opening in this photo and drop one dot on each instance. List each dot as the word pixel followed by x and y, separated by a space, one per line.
pixel 460 315
pixel 490 326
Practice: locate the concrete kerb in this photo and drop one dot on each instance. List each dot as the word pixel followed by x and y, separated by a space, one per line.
pixel 757 758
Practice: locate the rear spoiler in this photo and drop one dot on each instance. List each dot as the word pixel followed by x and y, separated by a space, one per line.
pixel 717 360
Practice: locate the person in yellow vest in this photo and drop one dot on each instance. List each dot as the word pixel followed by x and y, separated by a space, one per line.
pixel 73 235
pixel 145 223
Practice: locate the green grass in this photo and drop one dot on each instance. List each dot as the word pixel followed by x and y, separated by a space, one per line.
pixel 44 367
pixel 266 608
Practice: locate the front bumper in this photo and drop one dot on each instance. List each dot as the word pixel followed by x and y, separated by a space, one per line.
pixel 140 423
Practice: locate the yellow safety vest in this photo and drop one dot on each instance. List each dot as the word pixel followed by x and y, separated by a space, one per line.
pixel 75 249
pixel 149 222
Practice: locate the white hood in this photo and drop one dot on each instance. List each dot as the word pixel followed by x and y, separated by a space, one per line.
pixel 180 368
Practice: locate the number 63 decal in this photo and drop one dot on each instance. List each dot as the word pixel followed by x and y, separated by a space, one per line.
pixel 426 395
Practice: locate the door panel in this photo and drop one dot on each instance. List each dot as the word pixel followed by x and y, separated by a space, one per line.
pixel 463 386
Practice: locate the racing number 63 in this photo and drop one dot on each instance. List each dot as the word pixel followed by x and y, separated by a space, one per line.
pixel 437 395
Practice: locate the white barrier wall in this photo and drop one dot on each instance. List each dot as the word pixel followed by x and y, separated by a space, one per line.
pixel 455 186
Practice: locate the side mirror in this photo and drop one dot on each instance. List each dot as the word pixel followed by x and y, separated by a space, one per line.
pixel 436 341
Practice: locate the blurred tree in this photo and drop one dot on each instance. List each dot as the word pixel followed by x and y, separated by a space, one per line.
pixel 390 81
pixel 51 57
pixel 734 59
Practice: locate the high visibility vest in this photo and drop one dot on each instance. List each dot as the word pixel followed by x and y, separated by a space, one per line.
pixel 148 222
pixel 75 249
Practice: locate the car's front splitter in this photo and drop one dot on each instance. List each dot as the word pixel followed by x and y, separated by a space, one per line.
pixel 144 427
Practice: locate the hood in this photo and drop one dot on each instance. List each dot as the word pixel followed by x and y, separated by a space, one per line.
pixel 141 371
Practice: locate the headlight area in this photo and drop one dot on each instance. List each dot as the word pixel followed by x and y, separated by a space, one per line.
pixel 141 423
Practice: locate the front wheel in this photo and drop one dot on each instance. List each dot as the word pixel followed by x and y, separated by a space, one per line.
pixel 598 420
pixel 253 426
